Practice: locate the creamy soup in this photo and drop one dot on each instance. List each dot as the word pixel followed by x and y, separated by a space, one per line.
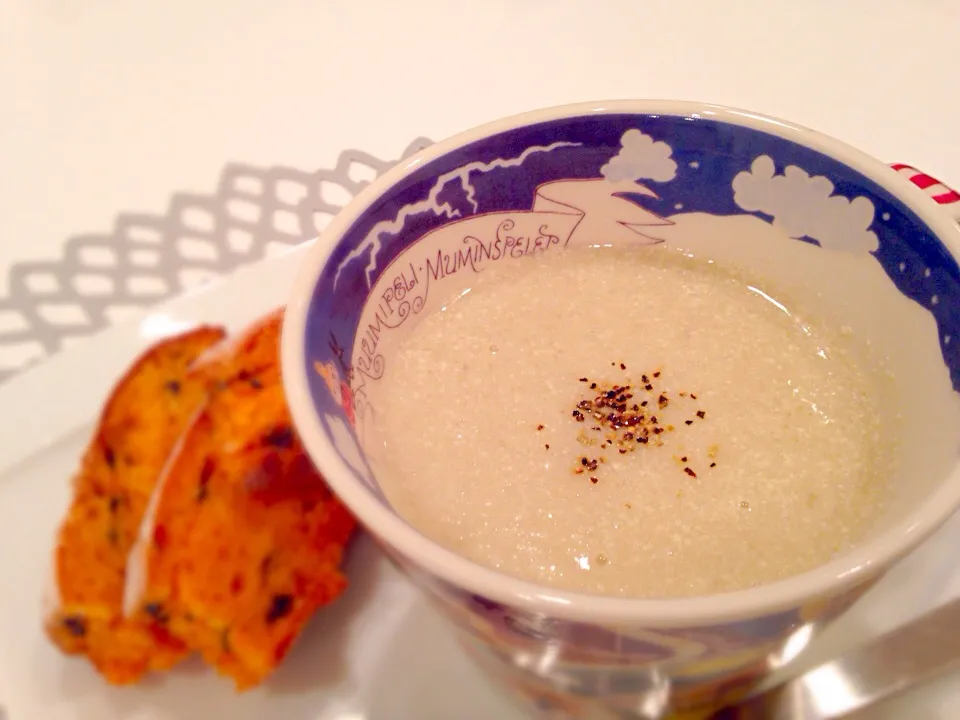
pixel 632 423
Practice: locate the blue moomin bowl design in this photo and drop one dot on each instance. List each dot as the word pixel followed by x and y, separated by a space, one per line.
pixel 777 199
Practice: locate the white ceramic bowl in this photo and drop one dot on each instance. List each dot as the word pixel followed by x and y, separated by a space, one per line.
pixel 775 198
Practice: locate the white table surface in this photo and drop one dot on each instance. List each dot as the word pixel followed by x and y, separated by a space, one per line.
pixel 112 105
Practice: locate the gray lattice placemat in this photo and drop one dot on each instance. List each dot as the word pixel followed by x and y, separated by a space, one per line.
pixel 146 259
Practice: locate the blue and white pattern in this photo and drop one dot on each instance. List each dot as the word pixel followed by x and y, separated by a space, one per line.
pixel 681 165
pixel 687 181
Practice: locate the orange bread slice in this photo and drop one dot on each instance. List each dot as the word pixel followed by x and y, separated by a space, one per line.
pixel 231 368
pixel 245 540
pixel 139 425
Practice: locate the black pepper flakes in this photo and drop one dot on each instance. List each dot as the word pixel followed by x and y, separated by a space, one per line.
pixel 173 387
pixel 619 421
pixel 713 464
pixel 109 457
pixel 701 414
pixel 688 422
pixel 689 472
pixel 547 446
pixel 539 427
pixel 594 480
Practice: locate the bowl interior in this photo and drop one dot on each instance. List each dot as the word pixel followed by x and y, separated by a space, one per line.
pixel 850 237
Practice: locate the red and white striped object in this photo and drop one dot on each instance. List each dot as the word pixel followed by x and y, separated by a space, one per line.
pixel 936 190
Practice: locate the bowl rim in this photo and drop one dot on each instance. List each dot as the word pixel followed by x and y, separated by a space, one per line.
pixel 854 568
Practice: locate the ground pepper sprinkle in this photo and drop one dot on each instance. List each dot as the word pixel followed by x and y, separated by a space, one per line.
pixel 620 419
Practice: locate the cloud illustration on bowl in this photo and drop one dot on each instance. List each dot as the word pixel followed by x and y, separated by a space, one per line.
pixel 641 158
pixel 804 205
